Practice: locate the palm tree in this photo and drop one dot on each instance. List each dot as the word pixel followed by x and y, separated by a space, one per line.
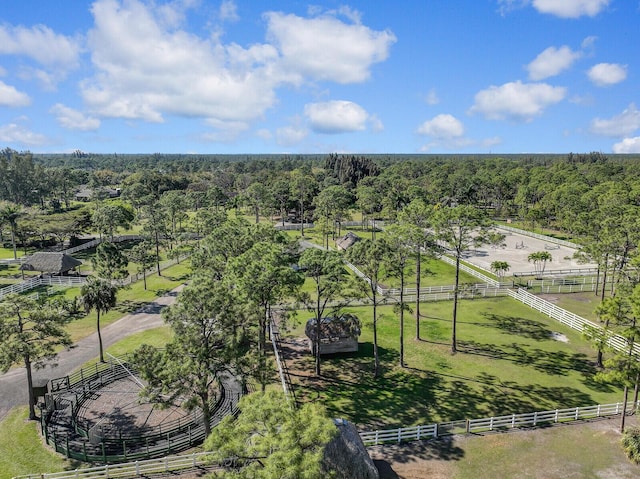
pixel 100 295
pixel 9 213
pixel 539 259
pixel 500 268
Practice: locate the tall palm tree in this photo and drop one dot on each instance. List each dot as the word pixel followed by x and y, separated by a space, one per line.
pixel 100 295
pixel 9 213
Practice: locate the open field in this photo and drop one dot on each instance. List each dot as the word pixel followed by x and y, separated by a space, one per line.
pixel 22 450
pixel 509 361
pixel 586 450
pixel 562 256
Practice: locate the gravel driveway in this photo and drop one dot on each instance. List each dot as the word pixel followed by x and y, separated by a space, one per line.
pixel 13 384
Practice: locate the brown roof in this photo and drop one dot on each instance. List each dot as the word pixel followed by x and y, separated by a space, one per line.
pixel 50 263
pixel 345 326
pixel 347 240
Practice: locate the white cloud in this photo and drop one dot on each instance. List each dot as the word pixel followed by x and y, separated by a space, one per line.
pixel 224 131
pixel 619 126
pixel 516 100
pixel 605 74
pixel 264 134
pixel 432 97
pixel 505 6
pixel 41 44
pixel 570 8
pixel 442 126
pixel 11 97
pixel 291 135
pixel 375 123
pixel 325 48
pixel 229 11
pixel 74 119
pixel 336 116
pixel 551 62
pixel 145 71
pixel 628 145
pixel 14 133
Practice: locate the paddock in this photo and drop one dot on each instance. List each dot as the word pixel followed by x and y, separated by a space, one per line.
pixel 517 249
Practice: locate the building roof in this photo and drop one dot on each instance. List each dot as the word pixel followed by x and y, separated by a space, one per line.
pixel 345 326
pixel 347 240
pixel 50 263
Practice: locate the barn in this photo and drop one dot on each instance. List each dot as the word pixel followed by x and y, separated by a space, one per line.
pixel 50 263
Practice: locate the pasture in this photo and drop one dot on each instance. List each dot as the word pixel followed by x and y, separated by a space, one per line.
pixel 510 360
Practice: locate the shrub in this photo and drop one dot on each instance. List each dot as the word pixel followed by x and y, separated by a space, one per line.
pixel 631 444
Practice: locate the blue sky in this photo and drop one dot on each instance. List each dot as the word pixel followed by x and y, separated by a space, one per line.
pixel 234 76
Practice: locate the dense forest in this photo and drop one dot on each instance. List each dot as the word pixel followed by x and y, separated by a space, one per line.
pixel 549 189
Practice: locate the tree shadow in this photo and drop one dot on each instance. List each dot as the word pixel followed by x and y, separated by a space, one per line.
pixel 527 328
pixel 549 362
pixel 443 448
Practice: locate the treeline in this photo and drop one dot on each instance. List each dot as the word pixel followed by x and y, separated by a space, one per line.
pixel 544 189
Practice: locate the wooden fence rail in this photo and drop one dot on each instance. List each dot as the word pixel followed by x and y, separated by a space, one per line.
pixel 548 239
pixel 510 421
pixel 570 319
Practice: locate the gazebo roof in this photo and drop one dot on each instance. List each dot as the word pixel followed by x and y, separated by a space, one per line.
pixel 347 240
pixel 345 326
pixel 50 263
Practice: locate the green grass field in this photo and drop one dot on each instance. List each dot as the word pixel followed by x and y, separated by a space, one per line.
pixel 22 450
pixel 130 299
pixel 585 450
pixel 507 362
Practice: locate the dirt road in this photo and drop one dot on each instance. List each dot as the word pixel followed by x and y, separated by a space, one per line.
pixel 13 384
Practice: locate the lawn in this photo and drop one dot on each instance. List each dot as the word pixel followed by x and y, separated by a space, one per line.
pixel 508 362
pixel 589 449
pixel 130 299
pixel 157 337
pixel 22 450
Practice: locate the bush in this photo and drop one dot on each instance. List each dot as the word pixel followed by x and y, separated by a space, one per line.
pixel 631 444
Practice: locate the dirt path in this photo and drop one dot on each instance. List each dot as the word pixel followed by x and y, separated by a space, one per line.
pixel 13 384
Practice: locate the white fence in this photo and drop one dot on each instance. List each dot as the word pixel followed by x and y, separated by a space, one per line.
pixel 97 241
pixel 548 239
pixel 41 281
pixel 132 469
pixel 471 271
pixel 511 421
pixel 559 272
pixel 567 285
pixel 570 319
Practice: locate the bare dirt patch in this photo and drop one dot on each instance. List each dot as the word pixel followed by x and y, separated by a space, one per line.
pixel 117 406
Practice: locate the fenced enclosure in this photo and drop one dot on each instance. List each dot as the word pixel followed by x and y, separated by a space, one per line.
pixel 71 430
pixel 570 319
pixel 483 425
pixel 38 281
pixel 548 239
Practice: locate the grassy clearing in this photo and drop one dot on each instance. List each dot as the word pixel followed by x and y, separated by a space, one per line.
pixel 22 450
pixel 132 298
pixel 508 362
pixel 582 304
pixel 577 450
pixel 157 337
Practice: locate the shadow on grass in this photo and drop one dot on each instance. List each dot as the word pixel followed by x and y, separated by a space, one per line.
pixel 403 397
pixel 348 388
pixel 128 306
pixel 527 328
pixel 548 362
